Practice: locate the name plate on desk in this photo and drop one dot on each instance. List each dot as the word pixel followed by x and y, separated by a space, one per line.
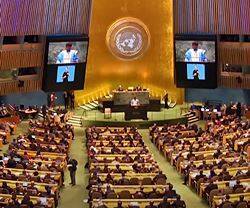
pixel 124 97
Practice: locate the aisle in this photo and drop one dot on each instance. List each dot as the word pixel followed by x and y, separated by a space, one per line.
pixel 191 198
pixel 73 196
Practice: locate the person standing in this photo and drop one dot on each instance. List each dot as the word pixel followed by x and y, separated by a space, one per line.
pixel 66 99
pixel 48 99
pixel 238 110
pixel 72 100
pixel 44 111
pixel 165 97
pixel 52 99
pixel 72 167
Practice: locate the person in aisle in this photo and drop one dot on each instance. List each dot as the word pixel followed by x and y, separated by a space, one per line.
pixel 66 99
pixel 72 167
pixel 72 100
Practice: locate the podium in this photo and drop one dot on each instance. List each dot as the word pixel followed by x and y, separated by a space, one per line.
pixel 138 112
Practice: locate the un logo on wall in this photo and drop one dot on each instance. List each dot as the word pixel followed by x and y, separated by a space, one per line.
pixel 128 38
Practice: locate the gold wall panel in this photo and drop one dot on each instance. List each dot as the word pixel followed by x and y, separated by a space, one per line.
pixel 154 69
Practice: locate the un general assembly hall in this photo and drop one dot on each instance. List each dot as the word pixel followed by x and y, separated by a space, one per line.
pixel 124 103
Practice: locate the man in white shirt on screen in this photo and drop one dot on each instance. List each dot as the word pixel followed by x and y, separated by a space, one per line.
pixel 135 102
pixel 67 55
pixel 195 54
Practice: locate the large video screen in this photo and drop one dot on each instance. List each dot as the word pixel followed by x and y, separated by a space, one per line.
pixel 65 63
pixel 196 61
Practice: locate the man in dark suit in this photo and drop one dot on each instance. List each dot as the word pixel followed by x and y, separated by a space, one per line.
pixel 165 97
pixel 72 100
pixel 165 203
pixel 237 185
pixel 178 203
pixel 151 205
pixel 66 99
pixel 72 167
pixel 210 187
pixel 199 176
pixel 241 202
pixel 170 193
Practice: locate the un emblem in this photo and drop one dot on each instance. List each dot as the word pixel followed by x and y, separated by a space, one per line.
pixel 128 38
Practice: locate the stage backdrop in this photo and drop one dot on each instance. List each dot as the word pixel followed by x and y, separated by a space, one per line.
pixel 131 43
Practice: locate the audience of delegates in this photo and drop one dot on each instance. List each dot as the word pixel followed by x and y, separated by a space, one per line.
pixel 30 111
pixel 213 161
pixel 121 167
pixel 32 172
pixel 211 112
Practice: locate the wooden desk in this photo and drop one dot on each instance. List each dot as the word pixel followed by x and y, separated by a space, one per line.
pixel 185 153
pixel 41 140
pixel 233 198
pixel 40 186
pixel 97 143
pixel 124 166
pixel 113 156
pixel 160 142
pixel 184 163
pixel 118 176
pixel 221 185
pixel 133 188
pixel 126 202
pixel 62 164
pixel 54 148
pixel 48 155
pixel 4 200
pixel 127 149
pixel 55 175
pixel 232 171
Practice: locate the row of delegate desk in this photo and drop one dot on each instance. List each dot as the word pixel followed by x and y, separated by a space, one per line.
pixel 179 150
pixel 108 150
pixel 38 174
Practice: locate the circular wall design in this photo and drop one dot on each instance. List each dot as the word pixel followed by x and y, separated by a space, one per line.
pixel 128 38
